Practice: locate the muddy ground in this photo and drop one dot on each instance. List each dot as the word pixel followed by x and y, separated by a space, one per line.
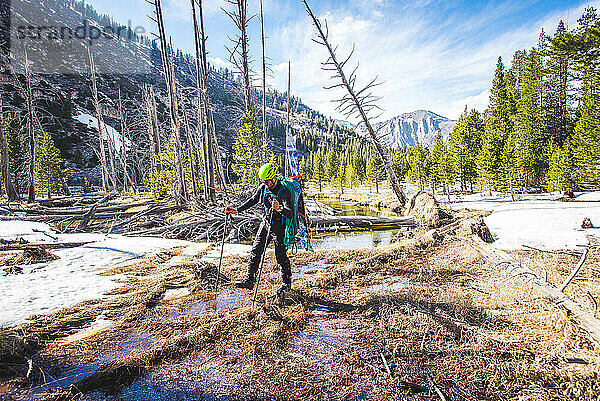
pixel 396 323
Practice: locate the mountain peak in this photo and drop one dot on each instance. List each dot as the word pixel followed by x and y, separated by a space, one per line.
pixel 419 126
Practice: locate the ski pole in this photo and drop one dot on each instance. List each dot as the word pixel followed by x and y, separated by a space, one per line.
pixel 262 259
pixel 222 247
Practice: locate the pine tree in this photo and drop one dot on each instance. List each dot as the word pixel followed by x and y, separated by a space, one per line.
pixel 400 162
pixel 531 158
pixel 48 173
pixel 341 176
pixel 465 141
pixel 319 168
pixel 419 166
pixel 498 126
pixel 441 165
pixel 374 167
pixel 556 114
pixel 559 171
pixel 332 165
pixel 248 149
pixel 586 140
pixel 351 177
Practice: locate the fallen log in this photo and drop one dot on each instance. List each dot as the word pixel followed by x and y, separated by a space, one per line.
pixel 57 245
pixel 83 211
pixel 584 319
pixel 86 218
pixel 319 223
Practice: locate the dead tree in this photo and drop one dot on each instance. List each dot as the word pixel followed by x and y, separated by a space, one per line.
pixel 30 132
pixel 203 126
pixel 356 103
pixel 288 165
pixel 98 107
pixel 191 152
pixel 123 152
pixel 152 128
pixel 264 82
pixel 176 127
pixel 169 74
pixel 6 179
pixel 238 54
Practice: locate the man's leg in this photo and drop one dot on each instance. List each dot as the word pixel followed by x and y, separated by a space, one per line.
pixel 258 248
pixel 283 261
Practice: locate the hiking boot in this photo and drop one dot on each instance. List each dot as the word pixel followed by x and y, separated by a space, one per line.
pixel 283 288
pixel 247 283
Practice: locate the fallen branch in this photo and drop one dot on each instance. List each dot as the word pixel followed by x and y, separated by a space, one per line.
pixel 584 319
pixel 575 270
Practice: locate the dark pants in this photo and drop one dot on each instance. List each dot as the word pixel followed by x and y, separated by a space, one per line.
pixel 258 247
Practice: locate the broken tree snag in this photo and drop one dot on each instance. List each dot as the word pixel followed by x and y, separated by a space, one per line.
pixel 357 102
pixel 426 210
pixel 585 320
pixel 30 255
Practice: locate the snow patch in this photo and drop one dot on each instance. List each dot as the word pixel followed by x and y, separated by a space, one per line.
pixel 535 220
pixel 589 196
pixel 47 287
pixel 109 132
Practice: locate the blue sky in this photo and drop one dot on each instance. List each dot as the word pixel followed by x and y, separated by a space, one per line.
pixel 434 55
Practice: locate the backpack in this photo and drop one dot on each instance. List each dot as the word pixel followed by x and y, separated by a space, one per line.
pixel 299 223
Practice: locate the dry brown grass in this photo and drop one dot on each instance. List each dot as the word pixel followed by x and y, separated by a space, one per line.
pixel 28 257
pixel 459 322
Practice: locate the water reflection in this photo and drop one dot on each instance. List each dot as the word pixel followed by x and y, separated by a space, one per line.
pixel 353 240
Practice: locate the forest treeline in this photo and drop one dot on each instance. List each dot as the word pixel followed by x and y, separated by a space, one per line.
pixel 541 129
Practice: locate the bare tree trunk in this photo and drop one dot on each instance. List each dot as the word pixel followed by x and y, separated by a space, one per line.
pixel 357 102
pixel 264 84
pixel 168 69
pixel 202 126
pixel 10 189
pixel 97 106
pixel 288 165
pixel 181 190
pixel 111 158
pixel 65 187
pixel 30 132
pixel 153 150
pixel 123 154
pixel 238 55
pixel 155 129
pixel 190 153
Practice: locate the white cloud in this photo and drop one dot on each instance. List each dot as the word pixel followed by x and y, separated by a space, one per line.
pixel 478 102
pixel 424 66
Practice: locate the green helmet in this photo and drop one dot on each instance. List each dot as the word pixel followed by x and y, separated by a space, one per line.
pixel 267 171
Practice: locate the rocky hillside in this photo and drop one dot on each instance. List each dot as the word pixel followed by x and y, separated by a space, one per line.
pixel 63 98
pixel 419 126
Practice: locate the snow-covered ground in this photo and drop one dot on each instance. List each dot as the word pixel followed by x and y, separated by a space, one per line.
pixel 46 287
pixel 536 220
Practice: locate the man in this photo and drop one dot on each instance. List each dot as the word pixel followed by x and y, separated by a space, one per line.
pixel 276 198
